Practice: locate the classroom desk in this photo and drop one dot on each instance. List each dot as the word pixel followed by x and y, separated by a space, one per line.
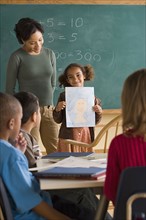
pixel 50 184
pixel 46 184
pixel 97 185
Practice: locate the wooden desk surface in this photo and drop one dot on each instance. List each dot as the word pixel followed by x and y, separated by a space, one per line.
pixel 46 184
pixel 50 184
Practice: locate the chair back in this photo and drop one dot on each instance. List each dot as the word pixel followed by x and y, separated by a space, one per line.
pixel 115 122
pixel 132 182
pixel 4 202
pixel 107 133
pixel 102 207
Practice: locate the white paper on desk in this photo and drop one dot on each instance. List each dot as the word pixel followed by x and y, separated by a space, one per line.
pixel 74 162
pixel 101 162
pixel 79 104
pixel 79 162
pixel 39 168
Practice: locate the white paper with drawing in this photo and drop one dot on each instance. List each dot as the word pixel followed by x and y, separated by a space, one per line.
pixel 79 107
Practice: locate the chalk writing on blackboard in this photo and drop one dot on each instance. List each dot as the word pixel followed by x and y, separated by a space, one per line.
pixel 79 55
pixel 74 22
pixel 109 37
pixel 53 23
pixel 55 33
pixel 88 56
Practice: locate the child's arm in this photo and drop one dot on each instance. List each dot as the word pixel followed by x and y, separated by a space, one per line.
pixel 59 111
pixel 20 142
pixel 60 106
pixel 97 106
pixel 98 110
pixel 48 212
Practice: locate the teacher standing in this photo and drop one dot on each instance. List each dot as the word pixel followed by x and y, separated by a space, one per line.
pixel 33 67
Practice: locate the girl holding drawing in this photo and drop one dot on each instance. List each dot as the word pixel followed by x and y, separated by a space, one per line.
pixel 74 76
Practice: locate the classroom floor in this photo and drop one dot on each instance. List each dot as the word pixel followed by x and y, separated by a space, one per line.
pixel 111 209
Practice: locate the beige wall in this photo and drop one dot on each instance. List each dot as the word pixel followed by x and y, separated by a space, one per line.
pixel 108 115
pixel 135 2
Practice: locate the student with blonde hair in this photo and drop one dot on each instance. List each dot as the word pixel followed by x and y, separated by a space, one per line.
pixel 129 148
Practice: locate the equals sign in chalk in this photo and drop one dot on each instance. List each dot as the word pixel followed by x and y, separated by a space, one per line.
pixel 61 37
pixel 70 55
pixel 61 23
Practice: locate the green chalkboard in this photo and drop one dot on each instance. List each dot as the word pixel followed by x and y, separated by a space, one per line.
pixel 112 38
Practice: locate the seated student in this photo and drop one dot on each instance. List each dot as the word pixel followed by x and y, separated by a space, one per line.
pixel 129 148
pixel 78 204
pixel 28 202
pixel 30 119
pixel 79 199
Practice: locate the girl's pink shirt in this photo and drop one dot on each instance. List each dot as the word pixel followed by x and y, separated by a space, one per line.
pixel 123 152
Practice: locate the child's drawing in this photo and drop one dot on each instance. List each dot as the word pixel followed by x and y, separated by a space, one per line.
pixel 80 109
pixel 79 103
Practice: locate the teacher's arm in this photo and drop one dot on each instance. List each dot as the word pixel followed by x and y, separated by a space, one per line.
pixel 12 74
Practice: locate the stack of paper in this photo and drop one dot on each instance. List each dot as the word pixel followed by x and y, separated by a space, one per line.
pixel 74 168
pixel 62 155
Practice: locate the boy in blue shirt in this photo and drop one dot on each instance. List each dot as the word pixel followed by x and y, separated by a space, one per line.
pixel 76 203
pixel 28 202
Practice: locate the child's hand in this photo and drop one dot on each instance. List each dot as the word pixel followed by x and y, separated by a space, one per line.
pixel 21 143
pixel 97 109
pixel 60 106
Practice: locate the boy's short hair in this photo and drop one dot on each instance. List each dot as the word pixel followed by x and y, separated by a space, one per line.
pixel 29 103
pixel 8 108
